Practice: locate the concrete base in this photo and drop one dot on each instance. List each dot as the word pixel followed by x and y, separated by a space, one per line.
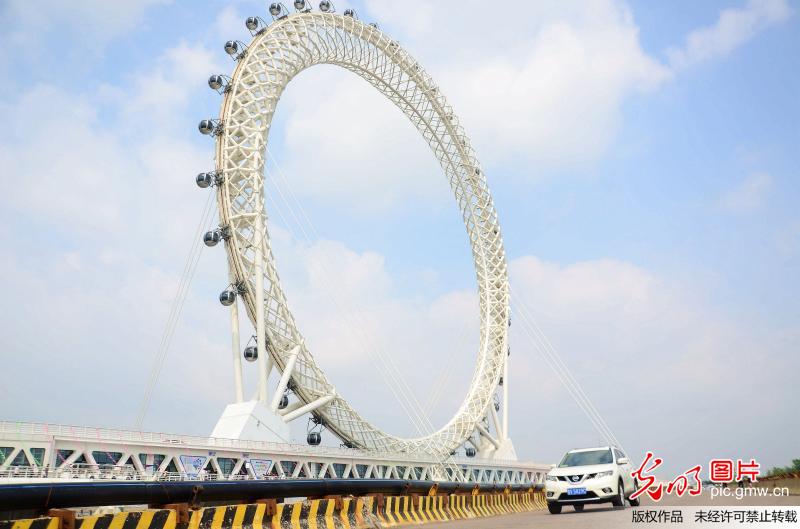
pixel 505 452
pixel 252 421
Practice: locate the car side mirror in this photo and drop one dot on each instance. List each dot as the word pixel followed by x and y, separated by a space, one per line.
pixel 622 461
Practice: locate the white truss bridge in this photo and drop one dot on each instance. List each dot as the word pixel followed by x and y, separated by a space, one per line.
pixel 47 452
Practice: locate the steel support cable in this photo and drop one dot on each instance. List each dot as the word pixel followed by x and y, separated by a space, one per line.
pixel 389 376
pixel 557 358
pixel 376 81
pixel 567 384
pixel 180 299
pixel 389 366
pixel 550 354
pixel 442 380
pixel 383 368
pixel 409 406
pixel 444 377
pixel 175 309
pixel 563 374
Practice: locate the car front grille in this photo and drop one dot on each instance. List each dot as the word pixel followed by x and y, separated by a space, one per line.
pixel 578 478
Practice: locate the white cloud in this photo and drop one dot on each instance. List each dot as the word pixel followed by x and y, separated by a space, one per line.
pixel 81 172
pixel 662 350
pixel 356 316
pixel 103 213
pixel 229 24
pixel 749 194
pixel 345 143
pixel 92 22
pixel 164 92
pixel 62 158
pixel 658 362
pixel 545 89
pixel 114 198
pixel 93 327
pixel 787 240
pixel 645 350
pixel 553 99
pixel 734 27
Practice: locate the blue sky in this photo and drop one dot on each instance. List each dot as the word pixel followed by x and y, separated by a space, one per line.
pixel 642 157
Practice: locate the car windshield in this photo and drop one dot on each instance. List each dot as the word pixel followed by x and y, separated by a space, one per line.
pixel 590 457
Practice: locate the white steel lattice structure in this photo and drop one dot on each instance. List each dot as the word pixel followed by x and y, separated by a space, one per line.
pixel 276 55
pixel 51 452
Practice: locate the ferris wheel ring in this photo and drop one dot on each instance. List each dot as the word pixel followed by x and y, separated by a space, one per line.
pixel 276 55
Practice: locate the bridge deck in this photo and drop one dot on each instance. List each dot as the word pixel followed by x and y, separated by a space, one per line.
pixel 32 451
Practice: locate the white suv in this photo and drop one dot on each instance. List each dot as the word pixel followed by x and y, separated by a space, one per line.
pixel 590 475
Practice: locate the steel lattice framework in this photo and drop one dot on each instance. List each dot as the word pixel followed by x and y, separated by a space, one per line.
pixel 33 450
pixel 276 55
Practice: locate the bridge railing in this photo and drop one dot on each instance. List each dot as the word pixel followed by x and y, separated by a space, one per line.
pixel 83 471
pixel 74 471
pixel 80 471
pixel 24 430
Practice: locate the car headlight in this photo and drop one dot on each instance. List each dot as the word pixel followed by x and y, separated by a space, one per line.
pixel 604 474
pixel 551 478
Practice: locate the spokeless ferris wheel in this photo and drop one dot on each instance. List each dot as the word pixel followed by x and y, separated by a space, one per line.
pixel 279 51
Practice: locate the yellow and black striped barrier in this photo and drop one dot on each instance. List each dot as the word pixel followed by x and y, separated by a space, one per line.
pixel 141 519
pixel 147 519
pixel 338 513
pixel 331 513
pixel 35 523
pixel 404 510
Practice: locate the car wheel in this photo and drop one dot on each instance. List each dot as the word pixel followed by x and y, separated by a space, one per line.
pixel 578 507
pixel 635 501
pixel 619 499
pixel 554 508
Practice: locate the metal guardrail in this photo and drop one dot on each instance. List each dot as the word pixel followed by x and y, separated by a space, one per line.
pixel 71 495
pixel 74 471
pixel 10 430
pixel 113 472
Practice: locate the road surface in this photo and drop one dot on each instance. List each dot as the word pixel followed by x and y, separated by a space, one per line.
pixel 604 516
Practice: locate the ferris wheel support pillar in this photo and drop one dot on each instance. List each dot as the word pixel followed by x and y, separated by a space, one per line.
pixel 485 433
pixel 261 342
pixel 496 421
pixel 284 382
pixel 237 355
pixel 504 433
pixel 311 406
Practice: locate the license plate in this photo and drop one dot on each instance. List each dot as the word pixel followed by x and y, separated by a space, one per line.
pixel 576 491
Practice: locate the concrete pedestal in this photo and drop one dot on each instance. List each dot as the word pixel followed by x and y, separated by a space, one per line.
pixel 505 452
pixel 252 421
